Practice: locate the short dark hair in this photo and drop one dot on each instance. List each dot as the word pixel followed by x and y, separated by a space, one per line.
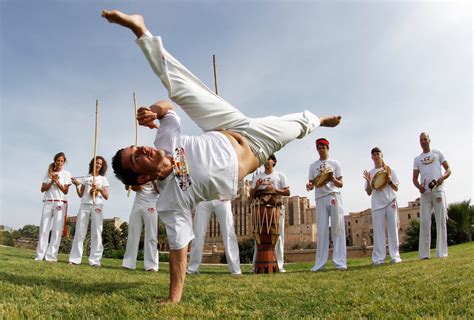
pixel 127 176
pixel 103 169
pixel 374 150
pixel 272 157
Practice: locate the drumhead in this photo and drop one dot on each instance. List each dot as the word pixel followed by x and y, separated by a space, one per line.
pixel 323 178
pixel 380 180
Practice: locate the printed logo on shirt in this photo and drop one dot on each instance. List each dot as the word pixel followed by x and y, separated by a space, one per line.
pixel 98 210
pixel 181 169
pixel 151 210
pixel 59 207
pixel 163 60
pixel 427 160
pixel 333 201
pixel 394 205
pixel 439 199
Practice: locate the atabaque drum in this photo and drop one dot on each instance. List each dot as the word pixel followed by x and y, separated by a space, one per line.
pixel 265 210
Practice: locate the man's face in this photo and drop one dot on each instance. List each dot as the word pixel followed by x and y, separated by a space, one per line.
pixel 269 164
pixel 146 161
pixel 323 150
pixel 424 141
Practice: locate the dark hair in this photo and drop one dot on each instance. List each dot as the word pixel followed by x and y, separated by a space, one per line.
pixel 272 157
pixel 103 169
pixel 374 150
pixel 127 176
pixel 52 166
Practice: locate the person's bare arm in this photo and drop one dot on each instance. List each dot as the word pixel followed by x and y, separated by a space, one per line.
pixel 420 187
pixel 337 181
pixel 147 116
pixel 368 187
pixel 447 173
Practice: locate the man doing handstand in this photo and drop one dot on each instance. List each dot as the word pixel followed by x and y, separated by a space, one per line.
pixel 190 169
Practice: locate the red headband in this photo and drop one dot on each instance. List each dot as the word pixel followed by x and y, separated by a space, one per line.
pixel 322 141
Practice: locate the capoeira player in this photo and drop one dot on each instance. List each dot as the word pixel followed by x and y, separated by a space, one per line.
pixel 427 166
pixel 276 181
pixel 383 206
pixel 328 205
pixel 143 215
pixel 92 191
pixel 191 169
pixel 55 187
pixel 223 211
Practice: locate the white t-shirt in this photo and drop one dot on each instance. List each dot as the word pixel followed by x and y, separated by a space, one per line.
pixel 212 164
pixel 147 195
pixel 277 179
pixel 54 193
pixel 429 166
pixel 382 198
pixel 316 168
pixel 100 181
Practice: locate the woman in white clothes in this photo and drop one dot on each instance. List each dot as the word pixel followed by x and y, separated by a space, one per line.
pixel 55 187
pixel 143 214
pixel 92 189
pixel 384 207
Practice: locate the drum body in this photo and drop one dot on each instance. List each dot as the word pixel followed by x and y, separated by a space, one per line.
pixel 265 223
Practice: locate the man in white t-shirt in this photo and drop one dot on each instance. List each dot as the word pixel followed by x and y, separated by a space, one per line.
pixel 383 206
pixel 328 206
pixel 190 169
pixel 223 211
pixel 276 181
pixel 144 216
pixel 427 166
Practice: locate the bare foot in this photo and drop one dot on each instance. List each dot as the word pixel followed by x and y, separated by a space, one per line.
pixel 133 22
pixel 166 302
pixel 330 121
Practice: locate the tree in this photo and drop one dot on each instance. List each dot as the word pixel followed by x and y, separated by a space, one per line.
pixel 6 238
pixel 29 231
pixel 462 216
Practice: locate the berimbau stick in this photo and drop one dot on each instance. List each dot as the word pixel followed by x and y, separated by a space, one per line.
pixel 136 131
pixel 95 144
pixel 215 73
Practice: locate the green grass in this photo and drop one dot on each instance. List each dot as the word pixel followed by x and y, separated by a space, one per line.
pixel 439 288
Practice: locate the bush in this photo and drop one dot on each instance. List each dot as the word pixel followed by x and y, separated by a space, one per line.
pixel 246 248
pixel 6 238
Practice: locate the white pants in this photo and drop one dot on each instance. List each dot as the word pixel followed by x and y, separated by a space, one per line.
pixel 142 215
pixel 52 220
pixel 390 213
pixel 330 207
pixel 433 201
pixel 279 245
pixel 210 112
pixel 94 212
pixel 223 212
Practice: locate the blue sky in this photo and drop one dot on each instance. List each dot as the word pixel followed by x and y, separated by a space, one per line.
pixel 391 69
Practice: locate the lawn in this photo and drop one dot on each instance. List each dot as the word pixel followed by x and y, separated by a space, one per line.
pixel 439 288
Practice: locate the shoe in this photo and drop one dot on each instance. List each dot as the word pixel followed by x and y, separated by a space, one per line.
pixel 282 270
pixel 95 265
pixel 72 263
pixel 378 263
pixel 239 273
pixel 38 259
pixel 394 261
pixel 151 270
pixel 341 268
pixel 191 272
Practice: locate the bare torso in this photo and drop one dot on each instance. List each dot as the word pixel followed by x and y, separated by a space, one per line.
pixel 248 162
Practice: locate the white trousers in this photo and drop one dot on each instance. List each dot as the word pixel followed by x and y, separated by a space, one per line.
pixel 94 212
pixel 330 207
pixel 433 201
pixel 279 245
pixel 142 215
pixel 223 212
pixel 210 112
pixel 52 220
pixel 389 213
